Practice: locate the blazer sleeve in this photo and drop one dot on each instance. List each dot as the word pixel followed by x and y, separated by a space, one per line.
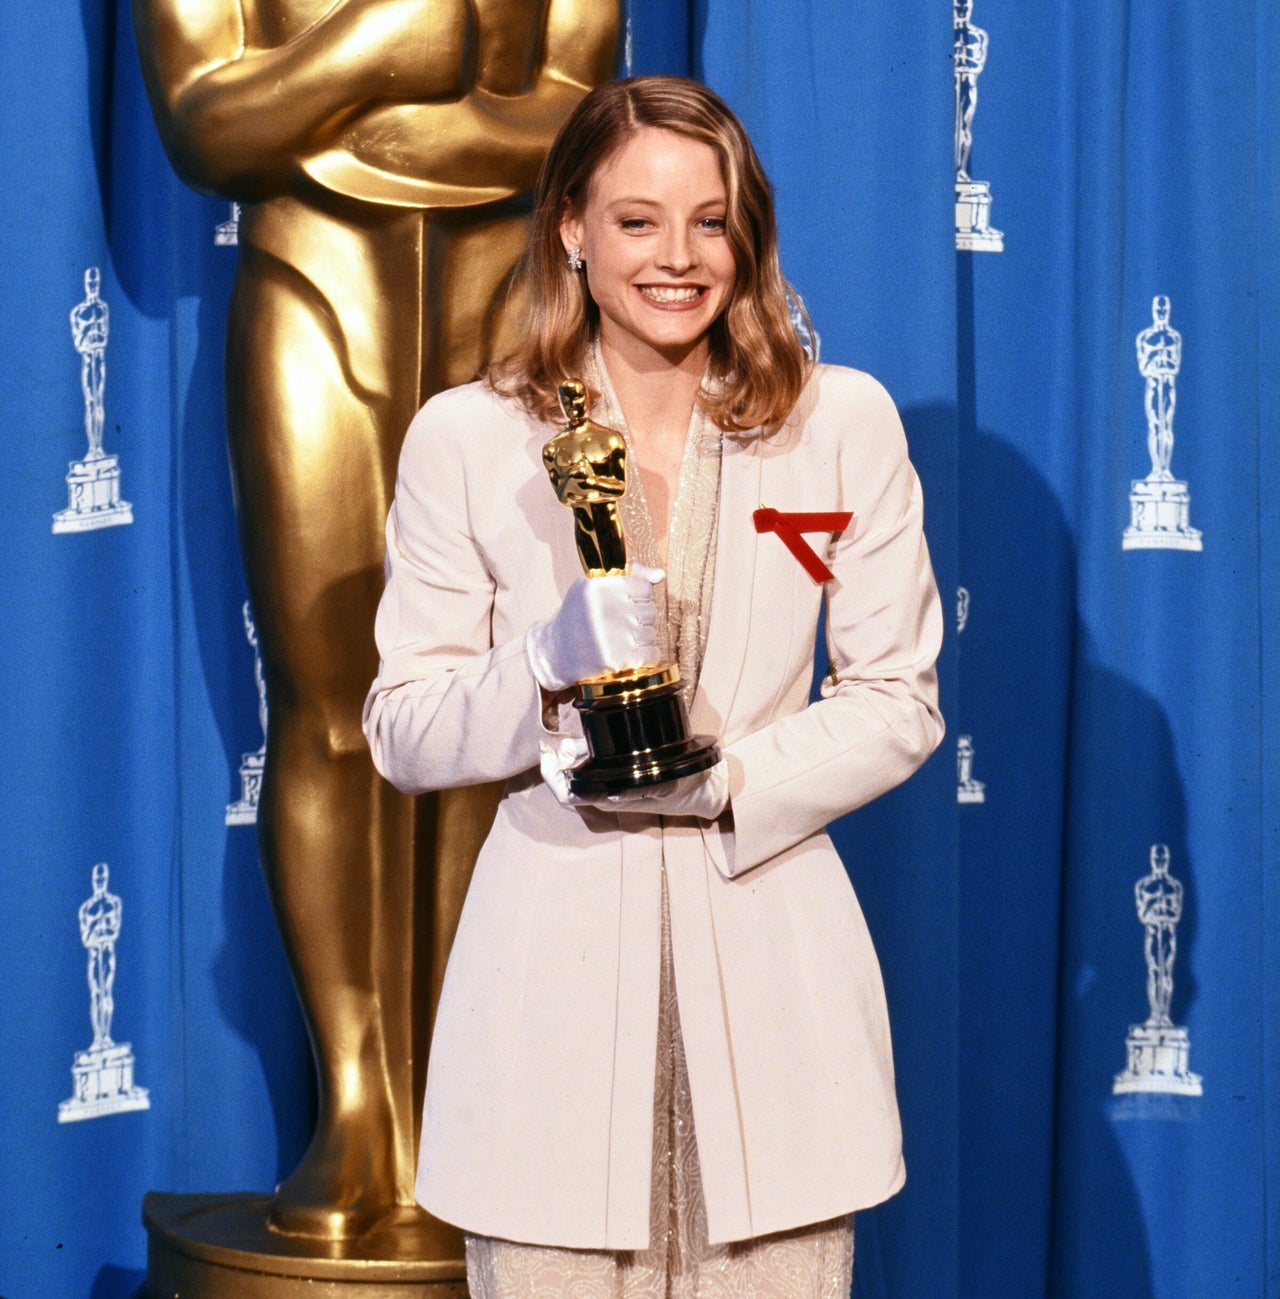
pixel 448 707
pixel 878 719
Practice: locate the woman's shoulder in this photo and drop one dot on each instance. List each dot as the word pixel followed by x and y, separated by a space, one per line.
pixel 853 424
pixel 471 417
pixel 836 386
pixel 477 398
pixel 841 403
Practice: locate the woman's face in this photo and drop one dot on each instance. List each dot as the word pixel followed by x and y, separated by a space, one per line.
pixel 652 234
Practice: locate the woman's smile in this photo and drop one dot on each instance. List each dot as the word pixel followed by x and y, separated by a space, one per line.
pixel 672 295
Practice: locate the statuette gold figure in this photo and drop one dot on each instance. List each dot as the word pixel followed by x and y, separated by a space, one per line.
pixel 587 464
pixel 635 720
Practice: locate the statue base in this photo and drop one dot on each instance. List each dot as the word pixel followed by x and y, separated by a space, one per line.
pixel 974 233
pixel 1159 510
pixel 103 1083
pixel 220 1247
pixel 1157 1062
pixel 93 492
pixel 637 733
pixel 971 791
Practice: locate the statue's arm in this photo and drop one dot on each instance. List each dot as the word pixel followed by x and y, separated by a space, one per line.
pixel 235 117
pixel 489 143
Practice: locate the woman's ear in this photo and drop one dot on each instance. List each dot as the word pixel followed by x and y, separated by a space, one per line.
pixel 570 229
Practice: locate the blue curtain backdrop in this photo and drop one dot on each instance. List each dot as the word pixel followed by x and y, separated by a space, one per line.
pixel 1110 690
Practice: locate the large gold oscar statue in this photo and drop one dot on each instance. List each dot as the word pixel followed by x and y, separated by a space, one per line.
pixel 379 148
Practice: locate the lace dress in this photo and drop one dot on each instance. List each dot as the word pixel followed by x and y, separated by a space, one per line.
pixel 813 1262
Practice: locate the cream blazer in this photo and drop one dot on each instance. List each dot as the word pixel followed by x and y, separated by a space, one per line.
pixel 539 1107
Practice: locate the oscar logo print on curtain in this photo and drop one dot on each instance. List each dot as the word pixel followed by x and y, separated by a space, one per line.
pixel 103 1074
pixel 93 484
pixel 968 790
pixel 1159 504
pixel 244 811
pixel 226 234
pixel 1158 1049
pixel 974 232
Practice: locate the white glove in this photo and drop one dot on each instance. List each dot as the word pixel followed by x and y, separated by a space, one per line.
pixel 704 795
pixel 604 624
pixel 555 762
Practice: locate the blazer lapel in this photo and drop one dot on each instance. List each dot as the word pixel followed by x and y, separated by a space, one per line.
pixel 737 544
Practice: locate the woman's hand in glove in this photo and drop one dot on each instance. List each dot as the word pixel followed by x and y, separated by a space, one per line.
pixel 603 625
pixel 704 795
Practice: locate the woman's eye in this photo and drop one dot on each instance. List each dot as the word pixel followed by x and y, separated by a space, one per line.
pixel 712 225
pixel 634 223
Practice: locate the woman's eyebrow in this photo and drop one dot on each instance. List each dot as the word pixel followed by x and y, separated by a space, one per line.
pixel 638 201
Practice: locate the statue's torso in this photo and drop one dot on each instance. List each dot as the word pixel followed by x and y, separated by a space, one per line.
pixel 498 52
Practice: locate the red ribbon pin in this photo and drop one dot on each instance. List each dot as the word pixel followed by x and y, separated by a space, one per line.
pixel 789 525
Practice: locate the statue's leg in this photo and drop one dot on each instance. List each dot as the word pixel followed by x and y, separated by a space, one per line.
pixel 107 1001
pixel 95 997
pixel 1164 441
pixel 99 379
pixel 311 459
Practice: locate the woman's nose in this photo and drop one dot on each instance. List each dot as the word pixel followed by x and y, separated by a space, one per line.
pixel 678 250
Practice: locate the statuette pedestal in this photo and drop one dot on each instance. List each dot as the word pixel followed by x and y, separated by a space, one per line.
pixel 103 1084
pixel 974 232
pixel 1159 517
pixel 244 811
pixel 1158 1062
pixel 93 493
pixel 219 1247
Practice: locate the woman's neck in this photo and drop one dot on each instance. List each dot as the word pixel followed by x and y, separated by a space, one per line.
pixel 656 396
pixel 656 393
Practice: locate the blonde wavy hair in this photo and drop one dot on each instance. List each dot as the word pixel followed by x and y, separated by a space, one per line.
pixel 757 364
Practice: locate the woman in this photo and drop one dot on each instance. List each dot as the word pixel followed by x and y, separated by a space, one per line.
pixel 661 1057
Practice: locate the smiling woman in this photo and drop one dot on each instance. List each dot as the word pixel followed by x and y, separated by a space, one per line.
pixel 751 337
pixel 651 235
pixel 661 1064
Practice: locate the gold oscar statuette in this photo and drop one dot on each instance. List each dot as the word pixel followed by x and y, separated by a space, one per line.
pixel 634 720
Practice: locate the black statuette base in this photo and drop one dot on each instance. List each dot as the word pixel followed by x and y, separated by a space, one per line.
pixel 637 738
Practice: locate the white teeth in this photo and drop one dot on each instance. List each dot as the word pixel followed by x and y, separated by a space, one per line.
pixel 661 294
